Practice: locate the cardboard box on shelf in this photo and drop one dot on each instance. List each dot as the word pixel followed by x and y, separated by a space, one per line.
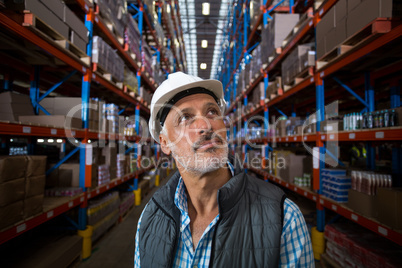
pixel 35 185
pixel 390 207
pixel 12 167
pixel 33 205
pixel 76 25
pixel 12 191
pixel 341 10
pixel 291 166
pixel 110 154
pixel 59 121
pixel 352 4
pixel 56 6
pixel 13 97
pixel 36 165
pixel 11 214
pixel 331 125
pixel 363 203
pixel 42 12
pixel 69 175
pixel 362 15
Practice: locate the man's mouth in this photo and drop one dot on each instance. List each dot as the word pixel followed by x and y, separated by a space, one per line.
pixel 205 145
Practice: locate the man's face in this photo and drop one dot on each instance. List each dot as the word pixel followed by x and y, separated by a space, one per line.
pixel 196 134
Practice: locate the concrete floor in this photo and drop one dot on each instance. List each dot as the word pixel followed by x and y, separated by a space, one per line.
pixel 116 247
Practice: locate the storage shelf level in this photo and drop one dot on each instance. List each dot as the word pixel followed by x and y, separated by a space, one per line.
pixel 64 204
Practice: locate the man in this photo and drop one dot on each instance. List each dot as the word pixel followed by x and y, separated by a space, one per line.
pixel 358 155
pixel 208 214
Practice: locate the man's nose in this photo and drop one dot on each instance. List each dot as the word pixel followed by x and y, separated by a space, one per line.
pixel 202 125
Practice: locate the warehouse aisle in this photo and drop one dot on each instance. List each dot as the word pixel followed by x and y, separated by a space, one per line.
pixel 116 247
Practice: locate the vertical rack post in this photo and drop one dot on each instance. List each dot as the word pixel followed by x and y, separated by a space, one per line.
pixel 85 166
pixel 320 106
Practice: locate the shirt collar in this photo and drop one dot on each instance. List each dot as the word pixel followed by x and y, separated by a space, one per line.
pixel 180 197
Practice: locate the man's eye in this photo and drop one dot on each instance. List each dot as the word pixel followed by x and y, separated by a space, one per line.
pixel 213 112
pixel 184 118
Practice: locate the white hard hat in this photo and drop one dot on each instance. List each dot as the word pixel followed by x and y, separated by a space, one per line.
pixel 176 83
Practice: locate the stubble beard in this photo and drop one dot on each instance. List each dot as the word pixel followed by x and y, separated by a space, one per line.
pixel 200 163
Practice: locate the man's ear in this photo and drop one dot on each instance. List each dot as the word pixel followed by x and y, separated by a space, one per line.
pixel 164 144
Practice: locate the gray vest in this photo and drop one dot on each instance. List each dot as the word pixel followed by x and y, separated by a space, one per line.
pixel 248 233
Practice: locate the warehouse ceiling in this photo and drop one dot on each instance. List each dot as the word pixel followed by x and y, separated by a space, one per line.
pixel 198 27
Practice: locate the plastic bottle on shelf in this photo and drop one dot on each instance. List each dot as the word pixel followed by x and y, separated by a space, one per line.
pixel 381 119
pixel 386 118
pixel 350 122
pixel 393 119
pixel 370 119
pixel 364 120
pixel 345 122
pixel 375 119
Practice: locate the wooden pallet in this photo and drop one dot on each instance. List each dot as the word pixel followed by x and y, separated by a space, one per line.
pixel 110 25
pixel 277 51
pixel 45 31
pixel 107 75
pixel 307 73
pixel 367 34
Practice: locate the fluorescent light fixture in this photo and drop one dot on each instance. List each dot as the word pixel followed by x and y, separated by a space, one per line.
pixel 50 140
pixel 11 140
pixel 59 140
pixel 204 43
pixel 89 141
pixel 203 66
pixel 168 9
pixel 40 140
pixel 205 8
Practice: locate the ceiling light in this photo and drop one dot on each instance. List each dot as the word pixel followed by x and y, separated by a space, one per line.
pixel 40 140
pixel 59 140
pixel 205 8
pixel 168 9
pixel 204 43
pixel 203 66
pixel 50 140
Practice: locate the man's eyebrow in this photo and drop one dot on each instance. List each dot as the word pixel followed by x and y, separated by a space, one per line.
pixel 209 104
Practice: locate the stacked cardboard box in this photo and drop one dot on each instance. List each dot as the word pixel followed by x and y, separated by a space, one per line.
pixel 57 16
pixel 115 12
pixel 22 186
pixel 132 37
pixel 287 165
pixel 350 245
pixel 13 105
pixel 288 126
pixel 107 59
pixel 256 62
pixel 110 154
pixel 275 32
pixel 336 184
pixel 390 202
pixel 256 9
pixel 130 81
pixel 274 87
pixel 66 112
pixel 146 57
pixel 348 17
pixel 294 65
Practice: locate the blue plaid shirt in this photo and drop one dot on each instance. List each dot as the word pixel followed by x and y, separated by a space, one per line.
pixel 296 250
